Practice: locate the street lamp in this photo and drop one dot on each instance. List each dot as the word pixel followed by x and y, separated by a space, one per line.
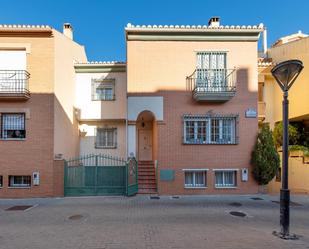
pixel 285 74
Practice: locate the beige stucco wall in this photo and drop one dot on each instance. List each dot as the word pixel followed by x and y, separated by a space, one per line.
pixel 163 65
pixel 67 52
pixel 298 94
pixel 298 177
pixel 87 142
pixel 40 60
pixel 97 110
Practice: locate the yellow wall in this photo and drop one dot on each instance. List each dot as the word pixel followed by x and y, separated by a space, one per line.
pixel 298 94
pixel 298 177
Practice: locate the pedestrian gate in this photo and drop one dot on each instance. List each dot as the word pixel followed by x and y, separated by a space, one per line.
pixel 100 175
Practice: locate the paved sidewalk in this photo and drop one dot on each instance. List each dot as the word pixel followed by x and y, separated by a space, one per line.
pixel 139 222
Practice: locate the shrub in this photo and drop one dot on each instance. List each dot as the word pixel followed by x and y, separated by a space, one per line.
pixel 265 158
pixel 278 136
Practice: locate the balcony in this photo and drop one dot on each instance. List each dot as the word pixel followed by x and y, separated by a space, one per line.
pixel 14 85
pixel 212 85
pixel 261 111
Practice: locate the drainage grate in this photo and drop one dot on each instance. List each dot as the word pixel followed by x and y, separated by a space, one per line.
pixel 19 208
pixel 175 197
pixel 238 214
pixel 76 217
pixel 235 204
pixel 154 197
pixel 257 199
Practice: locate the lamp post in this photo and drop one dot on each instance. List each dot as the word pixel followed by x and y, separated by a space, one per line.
pixel 285 74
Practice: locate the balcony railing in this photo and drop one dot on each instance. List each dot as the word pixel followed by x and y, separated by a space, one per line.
pixel 212 84
pixel 14 84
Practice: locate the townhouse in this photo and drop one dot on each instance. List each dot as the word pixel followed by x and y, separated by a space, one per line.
pixel 184 104
pixel 37 93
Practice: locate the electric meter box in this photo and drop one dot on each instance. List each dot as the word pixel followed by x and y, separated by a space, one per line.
pixel 36 178
pixel 244 174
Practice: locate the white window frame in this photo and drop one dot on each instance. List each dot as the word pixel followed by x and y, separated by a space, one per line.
pixel 106 130
pixel 4 130
pixel 194 185
pixel 209 136
pixel 19 185
pixel 103 84
pixel 224 171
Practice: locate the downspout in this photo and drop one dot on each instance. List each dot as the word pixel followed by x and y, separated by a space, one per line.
pixel 127 140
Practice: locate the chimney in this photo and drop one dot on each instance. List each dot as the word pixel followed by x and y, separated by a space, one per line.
pixel 214 21
pixel 68 30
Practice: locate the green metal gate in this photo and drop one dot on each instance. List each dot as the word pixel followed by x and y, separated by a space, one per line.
pixel 100 175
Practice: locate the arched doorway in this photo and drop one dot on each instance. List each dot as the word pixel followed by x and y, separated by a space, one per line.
pixel 145 126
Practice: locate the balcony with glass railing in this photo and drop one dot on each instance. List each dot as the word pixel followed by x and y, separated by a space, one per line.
pixel 217 85
pixel 14 85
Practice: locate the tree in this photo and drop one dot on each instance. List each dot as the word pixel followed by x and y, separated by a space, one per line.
pixel 265 158
pixel 278 131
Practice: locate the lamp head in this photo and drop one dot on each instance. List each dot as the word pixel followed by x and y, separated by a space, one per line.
pixel 286 73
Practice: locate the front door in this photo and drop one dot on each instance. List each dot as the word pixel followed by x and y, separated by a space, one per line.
pixel 145 145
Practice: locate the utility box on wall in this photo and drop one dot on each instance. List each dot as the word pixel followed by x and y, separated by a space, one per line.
pixel 36 178
pixel 244 174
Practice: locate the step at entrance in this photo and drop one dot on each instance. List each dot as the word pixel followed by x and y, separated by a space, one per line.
pixel 146 178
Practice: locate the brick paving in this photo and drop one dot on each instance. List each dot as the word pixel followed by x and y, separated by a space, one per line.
pixel 138 222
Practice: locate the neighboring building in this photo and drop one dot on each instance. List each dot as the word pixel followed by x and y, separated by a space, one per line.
pixel 184 104
pixel 37 93
pixel 295 46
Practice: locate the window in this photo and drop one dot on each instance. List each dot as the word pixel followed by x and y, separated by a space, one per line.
pixel 106 138
pixel 1 181
pixel 103 89
pixel 209 130
pixel 211 70
pixel 225 178
pixel 19 181
pixel 195 179
pixel 13 126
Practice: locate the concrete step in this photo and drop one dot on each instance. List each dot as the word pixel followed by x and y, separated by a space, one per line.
pixel 146 173
pixel 146 167
pixel 146 170
pixel 146 181
pixel 146 177
pixel 147 186
pixel 145 163
pixel 147 191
